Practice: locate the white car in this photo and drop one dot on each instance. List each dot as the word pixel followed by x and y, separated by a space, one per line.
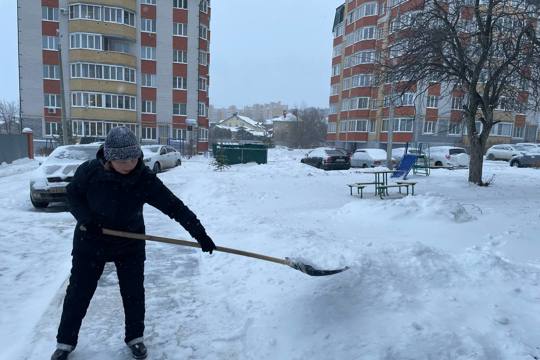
pixel 49 181
pixel 161 157
pixel 502 152
pixel 448 156
pixel 398 153
pixel 368 158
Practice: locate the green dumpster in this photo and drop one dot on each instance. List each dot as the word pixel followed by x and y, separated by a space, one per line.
pixel 241 153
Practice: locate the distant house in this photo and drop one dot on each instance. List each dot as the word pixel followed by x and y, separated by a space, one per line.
pixel 240 128
pixel 282 128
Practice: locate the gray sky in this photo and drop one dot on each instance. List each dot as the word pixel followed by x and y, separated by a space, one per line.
pixel 261 51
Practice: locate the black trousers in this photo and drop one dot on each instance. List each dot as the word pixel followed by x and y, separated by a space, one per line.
pixel 85 273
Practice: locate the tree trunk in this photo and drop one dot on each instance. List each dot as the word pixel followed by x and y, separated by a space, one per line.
pixel 476 162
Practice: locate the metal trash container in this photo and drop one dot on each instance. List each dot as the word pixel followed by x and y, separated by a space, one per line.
pixel 234 153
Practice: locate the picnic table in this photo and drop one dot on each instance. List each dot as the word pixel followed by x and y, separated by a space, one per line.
pixel 381 183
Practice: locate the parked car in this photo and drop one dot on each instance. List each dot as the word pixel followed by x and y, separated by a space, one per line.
pixel 161 157
pixel 368 158
pixel 502 152
pixel 448 156
pixel 398 153
pixel 49 181
pixel 529 158
pixel 327 159
pixel 528 146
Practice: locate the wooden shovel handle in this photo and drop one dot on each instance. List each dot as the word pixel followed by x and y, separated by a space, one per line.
pixel 136 236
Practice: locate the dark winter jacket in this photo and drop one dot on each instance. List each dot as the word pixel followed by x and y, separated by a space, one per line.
pixel 116 201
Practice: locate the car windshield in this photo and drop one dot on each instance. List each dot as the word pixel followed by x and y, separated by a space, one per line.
pixel 334 153
pixel 522 147
pixel 75 152
pixel 153 149
pixel 456 151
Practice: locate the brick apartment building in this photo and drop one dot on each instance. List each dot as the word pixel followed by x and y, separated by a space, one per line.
pixel 139 63
pixel 359 107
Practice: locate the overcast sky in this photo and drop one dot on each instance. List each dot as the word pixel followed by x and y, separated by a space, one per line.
pixel 261 51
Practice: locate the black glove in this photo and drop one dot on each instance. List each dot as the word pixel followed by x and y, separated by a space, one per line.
pixel 207 245
pixel 92 228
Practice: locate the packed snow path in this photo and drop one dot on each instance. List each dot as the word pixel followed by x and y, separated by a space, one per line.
pixel 452 273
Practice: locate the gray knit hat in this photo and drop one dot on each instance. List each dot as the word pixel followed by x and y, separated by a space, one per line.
pixel 121 144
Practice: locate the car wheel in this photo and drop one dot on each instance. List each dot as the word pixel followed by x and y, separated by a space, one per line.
pixel 38 204
pixel 178 162
pixel 364 166
pixel 514 163
pixel 438 163
pixel 491 157
pixel 156 168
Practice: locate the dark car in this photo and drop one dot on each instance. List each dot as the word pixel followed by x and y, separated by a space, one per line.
pixel 327 159
pixel 531 158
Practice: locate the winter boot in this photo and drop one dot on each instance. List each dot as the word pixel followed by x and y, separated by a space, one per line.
pixel 138 350
pixel 60 354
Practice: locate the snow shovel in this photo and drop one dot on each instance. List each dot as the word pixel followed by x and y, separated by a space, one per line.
pixel 295 264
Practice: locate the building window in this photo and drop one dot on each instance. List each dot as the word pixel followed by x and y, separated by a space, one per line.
pixel 180 134
pixel 179 83
pixel 110 14
pixel 85 41
pixel 372 125
pixel 501 129
pixel 179 109
pixel 148 53
pixel 149 2
pixel 148 133
pixel 102 72
pixel 203 110
pixel 336 69
pixel 102 100
pixel 203 84
pixel 49 13
pixel 52 101
pixel 148 107
pixel 338 30
pixel 148 25
pixel 50 42
pixel 180 56
pixel 457 103
pixel 51 72
pixel 333 108
pixel 407 99
pixel 454 128
pixel 357 103
pixel 179 29
pixel 148 80
pixel 334 89
pixel 51 128
pixel 518 132
pixel 400 125
pixel 115 44
pixel 332 127
pixel 203 6
pixel 203 135
pixel 180 4
pixel 203 32
pixel 85 12
pixel 203 58
pixel 429 127
pixel 432 101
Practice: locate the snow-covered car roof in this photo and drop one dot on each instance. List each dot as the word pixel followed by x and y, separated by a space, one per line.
pixel 64 160
pixel 377 154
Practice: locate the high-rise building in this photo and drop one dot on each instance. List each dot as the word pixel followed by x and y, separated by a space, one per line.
pixel 360 105
pixel 139 63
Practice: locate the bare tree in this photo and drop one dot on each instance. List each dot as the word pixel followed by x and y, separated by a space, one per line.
pixel 309 130
pixel 487 49
pixel 8 119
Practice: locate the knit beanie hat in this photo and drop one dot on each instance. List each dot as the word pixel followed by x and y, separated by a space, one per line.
pixel 121 144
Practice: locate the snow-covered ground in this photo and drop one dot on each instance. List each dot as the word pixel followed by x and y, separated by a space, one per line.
pixel 451 273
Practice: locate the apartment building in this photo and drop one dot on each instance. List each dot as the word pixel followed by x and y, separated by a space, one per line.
pixel 96 64
pixel 360 105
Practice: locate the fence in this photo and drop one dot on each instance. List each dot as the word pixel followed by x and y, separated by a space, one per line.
pixel 13 147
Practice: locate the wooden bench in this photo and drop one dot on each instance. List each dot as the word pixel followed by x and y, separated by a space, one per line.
pixel 359 187
pixel 410 183
pixel 383 189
